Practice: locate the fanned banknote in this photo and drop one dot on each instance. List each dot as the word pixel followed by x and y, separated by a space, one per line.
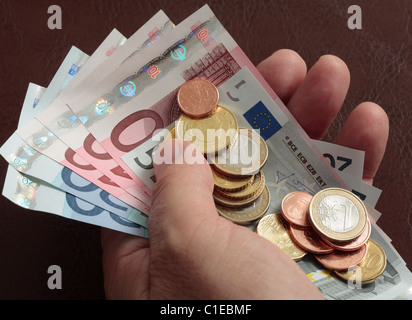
pixel 35 163
pixel 60 120
pixel 45 141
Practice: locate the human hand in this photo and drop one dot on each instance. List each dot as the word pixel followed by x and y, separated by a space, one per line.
pixel 193 253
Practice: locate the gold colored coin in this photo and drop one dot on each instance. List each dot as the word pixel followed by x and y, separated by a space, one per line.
pixel 337 214
pixel 210 134
pixel 247 192
pixel 275 228
pixel 246 156
pixel 247 214
pixel 230 184
pixel 170 135
pixel 239 203
pixel 370 269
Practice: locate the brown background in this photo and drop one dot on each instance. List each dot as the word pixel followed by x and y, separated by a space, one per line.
pixel 379 57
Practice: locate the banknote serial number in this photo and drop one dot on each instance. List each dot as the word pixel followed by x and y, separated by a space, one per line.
pixel 209 309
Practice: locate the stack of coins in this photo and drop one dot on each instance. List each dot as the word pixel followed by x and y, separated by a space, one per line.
pixel 206 124
pixel 237 155
pixel 242 205
pixel 240 193
pixel 333 225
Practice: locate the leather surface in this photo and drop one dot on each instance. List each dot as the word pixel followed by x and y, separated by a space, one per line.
pixel 379 57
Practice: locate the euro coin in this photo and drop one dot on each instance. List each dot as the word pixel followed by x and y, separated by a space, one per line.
pixel 246 156
pixel 239 203
pixel 275 229
pixel 342 260
pixel 247 214
pixel 295 208
pixel 337 214
pixel 225 183
pixel 197 98
pixel 308 240
pixel 370 269
pixel 247 192
pixel 170 135
pixel 210 134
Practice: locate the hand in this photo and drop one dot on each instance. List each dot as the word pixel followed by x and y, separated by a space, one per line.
pixel 193 253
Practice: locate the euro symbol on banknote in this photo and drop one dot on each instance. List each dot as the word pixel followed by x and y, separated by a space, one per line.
pixel 179 53
pixel 128 90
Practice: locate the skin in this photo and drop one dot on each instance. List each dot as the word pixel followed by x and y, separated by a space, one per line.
pixel 193 253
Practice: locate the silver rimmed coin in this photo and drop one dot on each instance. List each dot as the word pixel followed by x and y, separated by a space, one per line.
pixel 337 214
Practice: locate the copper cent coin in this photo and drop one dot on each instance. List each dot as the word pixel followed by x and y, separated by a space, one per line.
pixel 342 260
pixel 354 244
pixel 308 240
pixel 197 98
pixel 295 208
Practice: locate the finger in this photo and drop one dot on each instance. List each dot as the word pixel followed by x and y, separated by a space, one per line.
pixel 319 98
pixel 182 195
pixel 367 129
pixel 284 71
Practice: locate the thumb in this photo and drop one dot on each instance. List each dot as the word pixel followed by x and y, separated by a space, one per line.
pixel 197 254
pixel 182 197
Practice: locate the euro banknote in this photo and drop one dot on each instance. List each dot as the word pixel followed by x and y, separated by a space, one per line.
pixel 342 159
pixel 348 163
pixel 33 194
